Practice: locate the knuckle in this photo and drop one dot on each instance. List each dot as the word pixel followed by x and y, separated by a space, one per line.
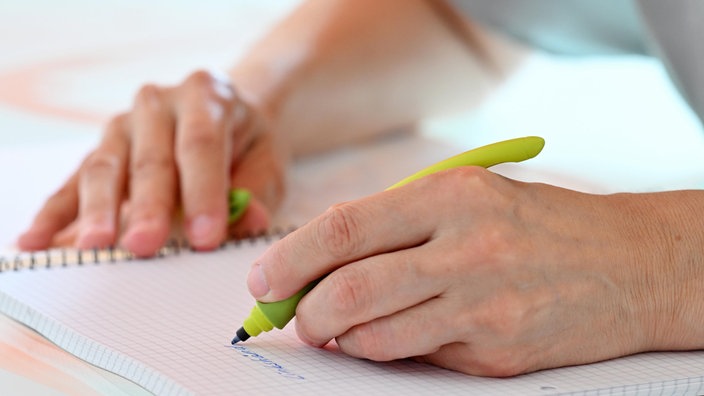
pixel 471 175
pixel 100 163
pixel 147 94
pixel 495 245
pixel 339 231
pixel 455 184
pixel 218 93
pixel 505 316
pixel 200 77
pixel 365 341
pixel 151 164
pixel 213 85
pixel 461 175
pixel 351 291
pixel 212 89
pixel 200 133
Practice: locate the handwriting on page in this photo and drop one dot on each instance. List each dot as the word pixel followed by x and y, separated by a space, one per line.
pixel 251 355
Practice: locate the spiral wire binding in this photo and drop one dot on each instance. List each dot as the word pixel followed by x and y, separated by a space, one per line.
pixel 65 257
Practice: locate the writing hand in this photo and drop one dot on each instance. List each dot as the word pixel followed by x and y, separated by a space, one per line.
pixel 474 272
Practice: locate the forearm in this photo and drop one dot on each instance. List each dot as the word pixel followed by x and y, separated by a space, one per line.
pixel 336 71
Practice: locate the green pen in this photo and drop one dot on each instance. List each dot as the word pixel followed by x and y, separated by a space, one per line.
pixel 238 200
pixel 266 316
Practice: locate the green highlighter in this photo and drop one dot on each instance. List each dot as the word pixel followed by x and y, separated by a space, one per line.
pixel 266 316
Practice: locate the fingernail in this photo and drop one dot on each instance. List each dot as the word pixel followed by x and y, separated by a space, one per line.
pixel 256 282
pixel 144 237
pixel 96 234
pixel 203 230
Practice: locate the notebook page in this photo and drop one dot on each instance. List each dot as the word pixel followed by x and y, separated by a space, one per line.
pixel 166 324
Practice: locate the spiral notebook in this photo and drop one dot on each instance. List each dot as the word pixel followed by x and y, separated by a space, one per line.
pixel 165 324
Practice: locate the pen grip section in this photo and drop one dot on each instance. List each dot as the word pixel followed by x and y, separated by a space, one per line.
pixel 279 313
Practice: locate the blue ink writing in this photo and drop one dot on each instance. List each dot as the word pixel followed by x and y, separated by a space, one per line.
pixel 251 355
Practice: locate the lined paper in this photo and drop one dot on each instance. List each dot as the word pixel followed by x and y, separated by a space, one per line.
pixel 166 325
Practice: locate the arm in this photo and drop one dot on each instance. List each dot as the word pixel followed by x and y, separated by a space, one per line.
pixel 339 71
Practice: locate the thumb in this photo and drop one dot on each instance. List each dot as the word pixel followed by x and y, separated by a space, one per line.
pixel 261 170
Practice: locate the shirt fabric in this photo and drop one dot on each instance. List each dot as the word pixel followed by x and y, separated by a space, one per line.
pixel 673 30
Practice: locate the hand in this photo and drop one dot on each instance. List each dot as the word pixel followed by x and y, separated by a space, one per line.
pixel 177 151
pixel 474 272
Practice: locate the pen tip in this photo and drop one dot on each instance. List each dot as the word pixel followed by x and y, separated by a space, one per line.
pixel 240 335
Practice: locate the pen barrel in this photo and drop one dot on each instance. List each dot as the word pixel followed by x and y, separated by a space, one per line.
pixel 512 150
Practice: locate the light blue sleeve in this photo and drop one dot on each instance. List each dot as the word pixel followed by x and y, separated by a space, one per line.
pixel 572 27
pixel 671 29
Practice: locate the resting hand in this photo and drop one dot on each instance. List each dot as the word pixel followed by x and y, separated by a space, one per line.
pixel 177 151
pixel 474 272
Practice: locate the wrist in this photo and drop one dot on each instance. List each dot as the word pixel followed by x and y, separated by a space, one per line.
pixel 257 87
pixel 667 264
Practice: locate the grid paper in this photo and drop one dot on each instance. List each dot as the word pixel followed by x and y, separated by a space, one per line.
pixel 166 324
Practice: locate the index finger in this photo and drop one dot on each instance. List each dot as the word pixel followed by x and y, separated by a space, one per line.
pixel 345 233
